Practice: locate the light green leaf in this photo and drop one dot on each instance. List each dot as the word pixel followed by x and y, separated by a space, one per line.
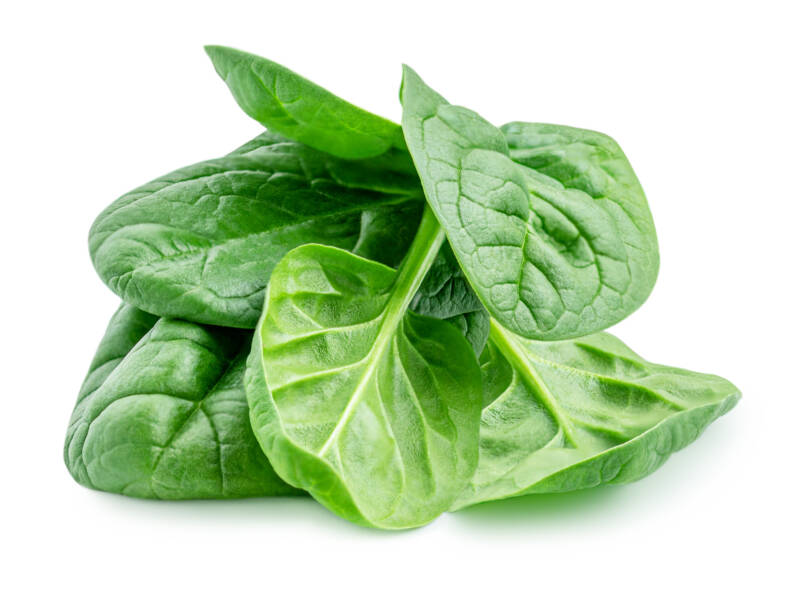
pixel 163 414
pixel 574 414
pixel 199 243
pixel 553 232
pixel 289 104
pixel 372 409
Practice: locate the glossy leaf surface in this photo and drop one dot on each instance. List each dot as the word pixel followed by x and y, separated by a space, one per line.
pixel 291 105
pixel 550 225
pixel 574 414
pixel 163 414
pixel 199 243
pixel 372 409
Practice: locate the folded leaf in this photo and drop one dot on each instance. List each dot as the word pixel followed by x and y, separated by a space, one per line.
pixel 199 243
pixel 569 415
pixel 553 231
pixel 162 414
pixel 372 409
pixel 289 104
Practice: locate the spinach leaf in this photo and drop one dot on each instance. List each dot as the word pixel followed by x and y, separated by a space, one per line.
pixel 199 243
pixel 568 415
pixel 162 414
pixel 289 104
pixel 553 231
pixel 371 408
pixel 446 294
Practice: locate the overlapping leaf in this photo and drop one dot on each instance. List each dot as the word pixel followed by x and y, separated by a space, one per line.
pixel 291 105
pixel 163 414
pixel 574 414
pixel 446 294
pixel 372 409
pixel 558 249
pixel 200 243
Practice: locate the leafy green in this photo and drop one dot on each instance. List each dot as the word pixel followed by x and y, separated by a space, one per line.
pixel 162 414
pixel 574 414
pixel 553 231
pixel 372 409
pixel 472 372
pixel 446 294
pixel 289 104
pixel 199 243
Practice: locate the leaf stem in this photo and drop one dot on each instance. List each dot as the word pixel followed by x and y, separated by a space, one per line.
pixel 420 257
pixel 509 346
pixel 418 261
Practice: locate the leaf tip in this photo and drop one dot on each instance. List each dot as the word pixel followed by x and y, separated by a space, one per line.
pixel 409 79
pixel 217 55
pixel 213 51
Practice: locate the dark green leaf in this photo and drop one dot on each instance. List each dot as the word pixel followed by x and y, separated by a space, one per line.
pixel 200 243
pixel 289 104
pixel 163 414
pixel 446 294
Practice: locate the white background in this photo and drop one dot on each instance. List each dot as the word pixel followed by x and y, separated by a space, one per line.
pixel 703 97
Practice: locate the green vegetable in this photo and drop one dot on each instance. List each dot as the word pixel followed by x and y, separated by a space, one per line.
pixel 289 104
pixel 474 371
pixel 446 294
pixel 553 231
pixel 162 414
pixel 568 415
pixel 372 409
pixel 200 243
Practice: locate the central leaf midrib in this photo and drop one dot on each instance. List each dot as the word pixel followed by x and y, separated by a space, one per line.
pixel 420 257
pixel 385 332
pixel 510 348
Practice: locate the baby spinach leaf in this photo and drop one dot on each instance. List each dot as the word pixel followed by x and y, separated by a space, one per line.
pixel 289 104
pixel 568 415
pixel 446 294
pixel 553 232
pixel 199 243
pixel 372 409
pixel 163 414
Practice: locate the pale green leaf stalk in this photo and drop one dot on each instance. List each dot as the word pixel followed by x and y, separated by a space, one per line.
pixel 371 408
pixel 561 416
pixel 163 414
pixel 561 248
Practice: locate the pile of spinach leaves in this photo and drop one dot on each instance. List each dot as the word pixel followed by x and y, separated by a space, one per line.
pixel 397 320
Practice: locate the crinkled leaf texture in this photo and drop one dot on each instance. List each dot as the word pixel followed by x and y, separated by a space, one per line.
pixel 574 414
pixel 299 109
pixel 199 243
pixel 372 409
pixel 549 223
pixel 163 414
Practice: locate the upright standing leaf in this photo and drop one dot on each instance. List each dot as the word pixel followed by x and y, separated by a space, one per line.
pixel 372 409
pixel 554 235
pixel 574 414
pixel 162 414
pixel 289 104
pixel 199 243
